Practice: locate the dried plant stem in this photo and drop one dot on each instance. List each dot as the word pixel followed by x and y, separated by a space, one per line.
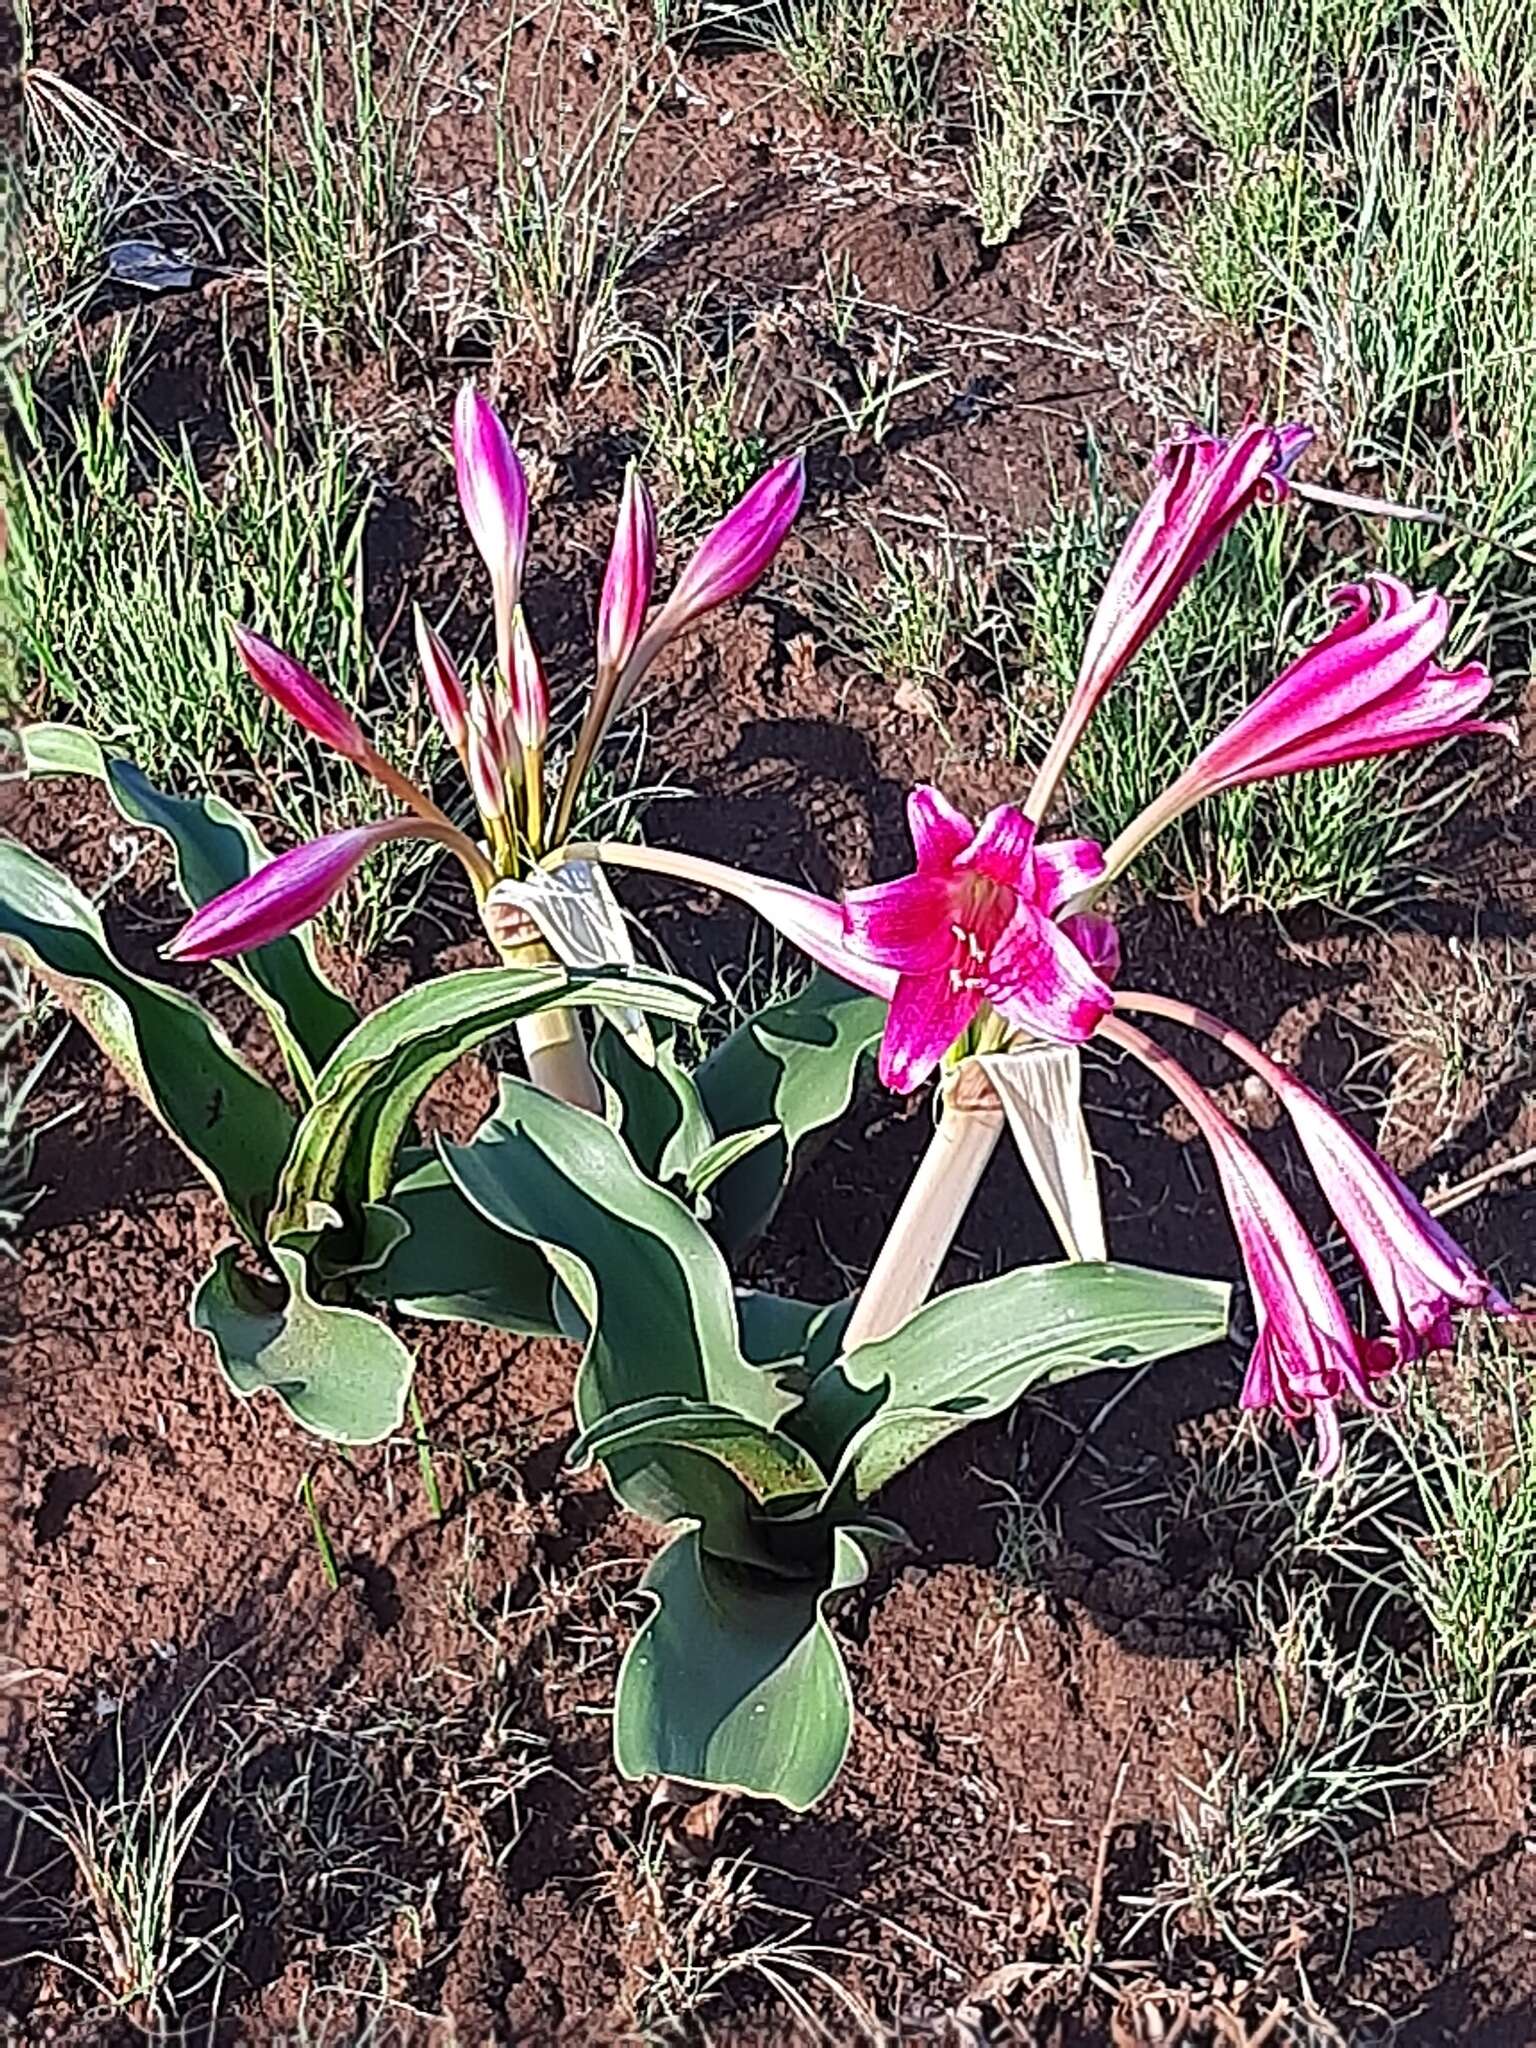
pixel 970 1124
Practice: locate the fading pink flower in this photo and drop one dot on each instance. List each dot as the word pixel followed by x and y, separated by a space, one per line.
pixel 303 696
pixel 1308 1356
pixel 1370 686
pixel 1202 485
pixel 974 925
pixel 444 686
pixel 1417 1270
pixel 630 574
pixel 281 896
pixel 493 492
pixel 731 559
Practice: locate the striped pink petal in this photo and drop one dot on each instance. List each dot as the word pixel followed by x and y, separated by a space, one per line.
pixel 279 897
pixel 303 696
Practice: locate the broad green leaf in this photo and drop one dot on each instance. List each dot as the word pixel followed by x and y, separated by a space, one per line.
pixel 649 1285
pixel 173 1055
pixel 735 1681
pixel 974 1351
pixel 214 847
pixel 658 1106
pixel 452 1265
pixel 720 1157
pixel 793 1065
pixel 340 1373
pixel 768 1464
pixel 344 1151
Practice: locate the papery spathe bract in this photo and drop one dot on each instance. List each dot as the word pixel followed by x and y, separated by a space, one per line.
pixel 444 685
pixel 732 558
pixel 493 492
pixel 303 696
pixel 629 577
pixel 281 896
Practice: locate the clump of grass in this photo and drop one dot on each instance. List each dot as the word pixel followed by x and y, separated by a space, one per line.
pixel 70 183
pixel 853 58
pixel 126 562
pixel 1035 59
pixel 911 622
pixel 1234 66
pixel 146 1920
pixel 548 260
pixel 24 1009
pixel 1238 240
pixel 701 410
pixel 330 202
pixel 1453 1044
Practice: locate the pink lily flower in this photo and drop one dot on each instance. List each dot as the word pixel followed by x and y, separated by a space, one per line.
pixel 1308 1355
pixel 303 696
pixel 492 490
pixel 1202 485
pixel 1416 1269
pixel 444 686
pixel 731 558
pixel 1370 686
pixel 284 894
pixel 975 925
pixel 630 574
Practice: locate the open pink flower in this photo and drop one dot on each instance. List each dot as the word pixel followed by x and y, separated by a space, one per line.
pixel 1370 686
pixel 974 925
pixel 1308 1356
pixel 1417 1270
pixel 281 896
pixel 303 696
pixel 1202 485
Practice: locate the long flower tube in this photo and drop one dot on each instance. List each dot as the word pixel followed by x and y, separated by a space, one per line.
pixel 1202 485
pixel 1418 1272
pixel 1370 686
pixel 1308 1355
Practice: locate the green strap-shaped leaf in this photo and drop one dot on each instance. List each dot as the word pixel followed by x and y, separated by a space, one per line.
pixel 794 1065
pixel 769 1464
pixel 344 1151
pixel 234 1128
pixel 657 1106
pixel 214 847
pixel 975 1350
pixel 735 1681
pixel 648 1283
pixel 340 1373
pixel 453 1266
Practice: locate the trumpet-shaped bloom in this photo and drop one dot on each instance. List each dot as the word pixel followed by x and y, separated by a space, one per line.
pixel 493 492
pixel 627 582
pixel 975 925
pixel 1308 1356
pixel 281 896
pixel 303 696
pixel 1417 1270
pixel 1202 485
pixel 444 686
pixel 730 560
pixel 1370 686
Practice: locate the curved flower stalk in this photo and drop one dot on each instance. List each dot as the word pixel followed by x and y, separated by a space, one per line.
pixel 498 727
pixel 1202 485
